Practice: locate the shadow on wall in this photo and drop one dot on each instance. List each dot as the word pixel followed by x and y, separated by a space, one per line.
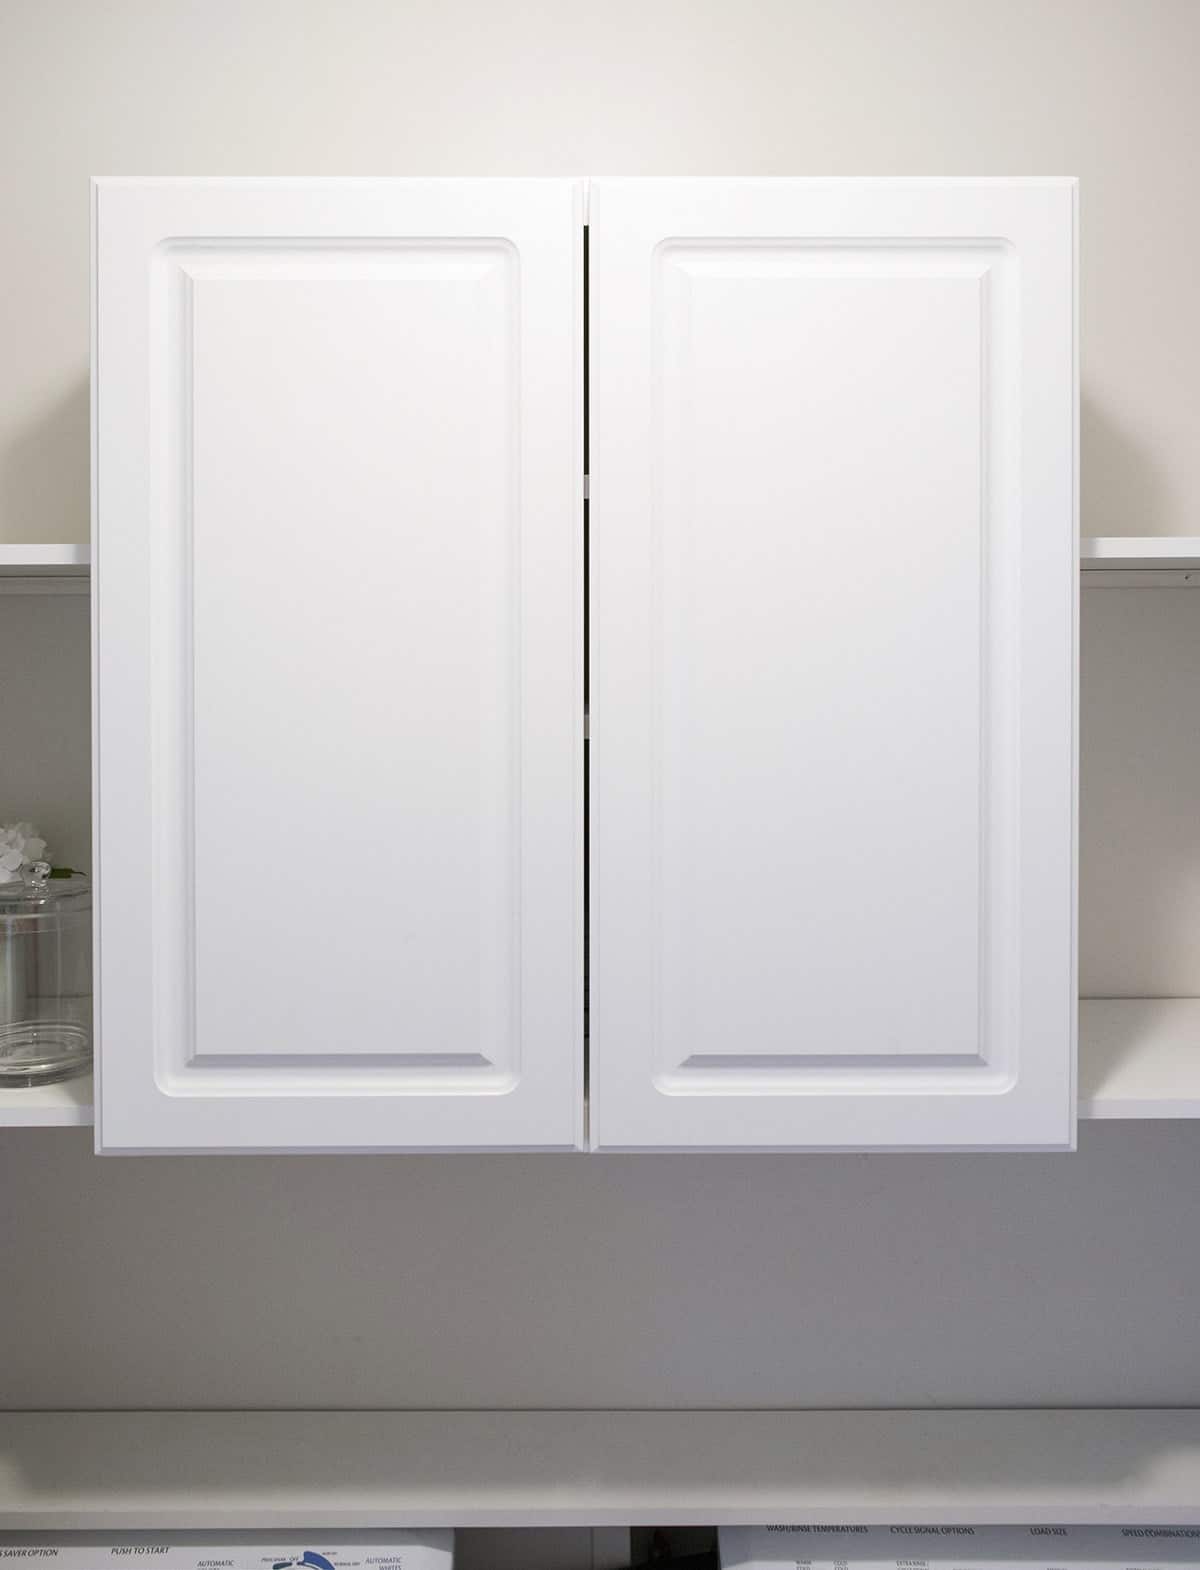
pixel 44 474
pixel 391 1459
pixel 45 701
pixel 1122 492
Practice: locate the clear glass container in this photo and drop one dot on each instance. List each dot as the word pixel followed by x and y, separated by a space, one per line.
pixel 45 979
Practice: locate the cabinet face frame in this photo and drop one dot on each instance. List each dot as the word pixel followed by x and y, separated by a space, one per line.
pixel 697 1040
pixel 226 314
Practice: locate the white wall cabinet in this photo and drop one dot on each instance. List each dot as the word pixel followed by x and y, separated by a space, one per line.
pixel 339 654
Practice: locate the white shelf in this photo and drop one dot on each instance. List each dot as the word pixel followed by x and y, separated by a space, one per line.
pixel 1098 553
pixel 1139 553
pixel 45 561
pixel 65 1105
pixel 1139 1058
pixel 202 1470
pixel 1120 553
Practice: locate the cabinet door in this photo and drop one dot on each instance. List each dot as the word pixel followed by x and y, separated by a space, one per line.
pixel 338 431
pixel 833 572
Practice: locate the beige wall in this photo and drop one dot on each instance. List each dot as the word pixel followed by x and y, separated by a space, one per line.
pixel 1105 89
pixel 598 1281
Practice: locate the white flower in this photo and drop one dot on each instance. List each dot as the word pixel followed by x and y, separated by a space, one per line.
pixel 20 846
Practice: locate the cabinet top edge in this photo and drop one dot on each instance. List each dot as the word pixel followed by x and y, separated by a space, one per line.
pixel 1065 181
pixel 284 180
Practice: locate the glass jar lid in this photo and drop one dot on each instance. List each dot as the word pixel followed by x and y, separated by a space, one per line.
pixel 45 896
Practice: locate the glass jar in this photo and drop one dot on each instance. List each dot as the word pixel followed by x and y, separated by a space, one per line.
pixel 45 979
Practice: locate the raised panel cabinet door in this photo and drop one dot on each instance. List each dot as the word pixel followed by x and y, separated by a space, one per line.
pixel 833 572
pixel 338 622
